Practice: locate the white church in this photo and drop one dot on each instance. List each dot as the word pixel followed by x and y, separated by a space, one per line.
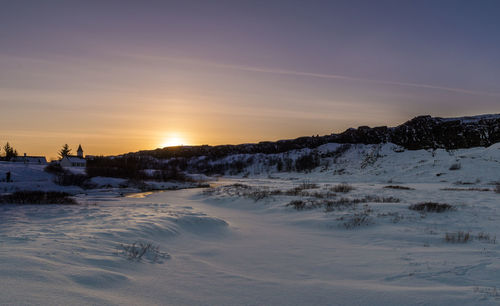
pixel 74 161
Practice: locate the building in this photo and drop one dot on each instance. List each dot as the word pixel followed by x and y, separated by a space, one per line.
pixel 40 160
pixel 74 161
pixel 79 152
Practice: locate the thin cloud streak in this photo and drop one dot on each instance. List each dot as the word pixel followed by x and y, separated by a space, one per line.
pixel 319 75
pixel 271 71
pixel 348 78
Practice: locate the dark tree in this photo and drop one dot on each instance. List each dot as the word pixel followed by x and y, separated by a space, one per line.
pixel 10 152
pixel 64 151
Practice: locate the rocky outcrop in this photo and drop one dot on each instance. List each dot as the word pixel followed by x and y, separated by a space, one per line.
pixel 423 132
pixel 426 132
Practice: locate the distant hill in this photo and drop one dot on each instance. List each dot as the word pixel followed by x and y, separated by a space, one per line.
pixel 422 132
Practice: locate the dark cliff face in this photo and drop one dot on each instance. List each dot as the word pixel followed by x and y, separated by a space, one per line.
pixel 423 132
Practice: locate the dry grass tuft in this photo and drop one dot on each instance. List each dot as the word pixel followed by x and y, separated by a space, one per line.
pixel 139 250
pixel 486 237
pixel 37 197
pixel 458 237
pixel 431 207
pixel 344 188
pixel 398 187
pixel 466 189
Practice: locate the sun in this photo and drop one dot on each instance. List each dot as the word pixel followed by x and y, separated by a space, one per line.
pixel 173 140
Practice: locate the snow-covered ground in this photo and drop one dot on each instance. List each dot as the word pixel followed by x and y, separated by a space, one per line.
pixel 33 177
pixel 240 242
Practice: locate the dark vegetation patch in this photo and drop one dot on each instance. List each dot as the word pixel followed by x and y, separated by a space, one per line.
pixel 138 251
pixel 458 237
pixel 339 204
pixel 54 168
pixel 431 207
pixel 466 182
pixel 307 162
pixel 298 190
pixel 64 177
pixel 299 205
pixel 242 190
pixel 344 188
pixel 377 199
pixel 317 194
pixel 74 179
pixel 456 166
pixel 138 168
pixel 360 218
pixel 466 189
pixel 37 197
pixel 463 237
pixel 497 188
pixel 486 237
pixel 398 187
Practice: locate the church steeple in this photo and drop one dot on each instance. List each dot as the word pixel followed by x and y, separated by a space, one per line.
pixel 79 152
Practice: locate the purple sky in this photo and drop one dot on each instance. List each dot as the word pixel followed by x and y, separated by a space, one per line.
pixel 120 76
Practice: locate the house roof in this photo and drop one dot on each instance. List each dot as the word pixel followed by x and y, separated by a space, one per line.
pixel 29 158
pixel 75 159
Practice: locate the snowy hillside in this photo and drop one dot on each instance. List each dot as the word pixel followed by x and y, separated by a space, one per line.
pixel 370 163
pixel 370 225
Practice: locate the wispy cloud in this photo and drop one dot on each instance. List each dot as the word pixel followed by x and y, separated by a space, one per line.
pixel 318 75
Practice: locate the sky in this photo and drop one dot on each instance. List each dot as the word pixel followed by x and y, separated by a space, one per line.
pixel 122 76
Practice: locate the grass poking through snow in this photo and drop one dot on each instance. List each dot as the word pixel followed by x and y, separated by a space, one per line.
pixel 398 187
pixel 431 207
pixel 344 188
pixel 37 197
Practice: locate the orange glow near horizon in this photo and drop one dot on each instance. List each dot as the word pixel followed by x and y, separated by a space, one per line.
pixel 173 140
pixel 143 108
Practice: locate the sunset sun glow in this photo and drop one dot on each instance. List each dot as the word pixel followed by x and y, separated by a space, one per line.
pixel 173 140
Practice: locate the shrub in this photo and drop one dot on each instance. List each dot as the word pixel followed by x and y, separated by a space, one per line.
pixel 466 183
pixel 466 189
pixel 486 237
pixel 296 191
pixel 377 199
pixel 431 207
pixel 346 202
pixel 497 188
pixel 54 168
pixel 137 250
pixel 297 204
pixel 358 219
pixel 342 188
pixel 37 197
pixel 307 162
pixel 67 178
pixel 120 167
pixel 456 166
pixel 458 237
pixel 398 187
pixel 71 179
pixel 340 204
pixel 241 190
